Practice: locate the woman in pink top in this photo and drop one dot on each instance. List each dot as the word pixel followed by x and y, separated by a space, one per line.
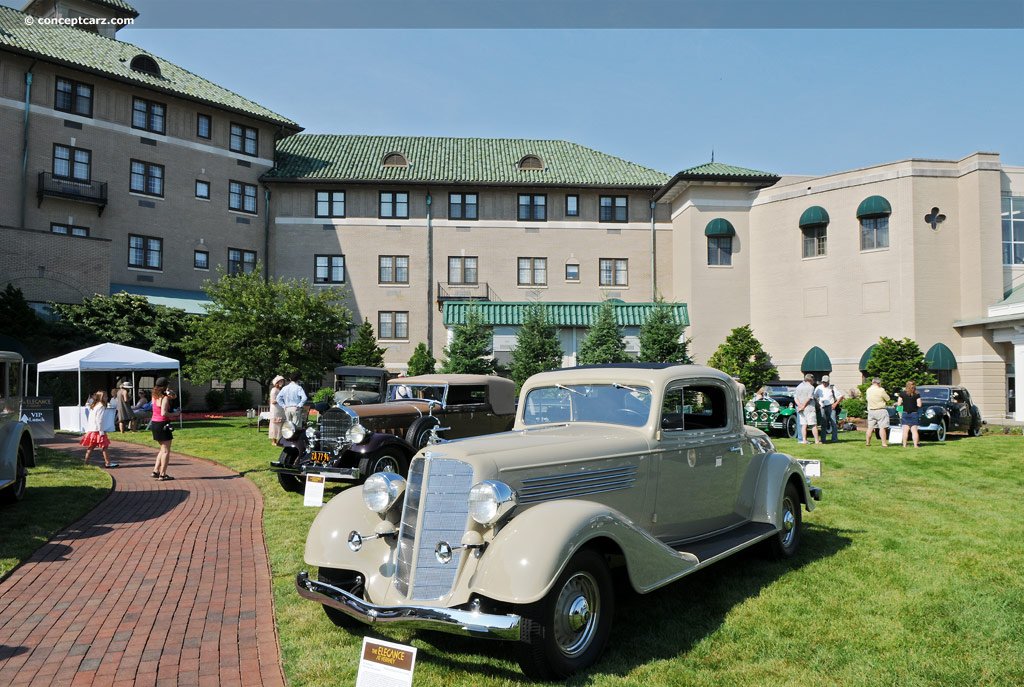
pixel 161 426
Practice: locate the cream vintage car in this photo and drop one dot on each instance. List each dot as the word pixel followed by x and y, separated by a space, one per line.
pixel 644 468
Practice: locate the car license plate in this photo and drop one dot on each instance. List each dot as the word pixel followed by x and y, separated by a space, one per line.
pixel 320 457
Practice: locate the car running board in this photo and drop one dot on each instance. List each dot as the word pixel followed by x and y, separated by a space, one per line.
pixel 709 550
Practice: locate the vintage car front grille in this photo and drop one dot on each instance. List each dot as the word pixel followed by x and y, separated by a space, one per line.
pixel 576 484
pixel 334 424
pixel 436 509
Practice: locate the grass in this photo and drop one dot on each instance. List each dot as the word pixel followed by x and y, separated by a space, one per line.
pixel 909 574
pixel 61 489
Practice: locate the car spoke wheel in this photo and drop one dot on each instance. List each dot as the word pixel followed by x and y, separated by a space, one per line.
pixel 567 630
pixel 940 433
pixel 418 433
pixel 386 460
pixel 975 430
pixel 791 427
pixel 786 541
pixel 16 492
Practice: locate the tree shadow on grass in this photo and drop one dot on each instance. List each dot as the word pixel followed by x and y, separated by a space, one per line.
pixel 661 625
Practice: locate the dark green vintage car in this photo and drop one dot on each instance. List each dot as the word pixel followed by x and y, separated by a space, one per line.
pixel 776 414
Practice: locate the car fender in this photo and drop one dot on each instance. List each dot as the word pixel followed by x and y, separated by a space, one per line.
pixel 527 555
pixel 778 470
pixel 15 433
pixel 379 440
pixel 327 540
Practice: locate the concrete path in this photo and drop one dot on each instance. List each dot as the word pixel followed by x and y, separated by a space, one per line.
pixel 163 583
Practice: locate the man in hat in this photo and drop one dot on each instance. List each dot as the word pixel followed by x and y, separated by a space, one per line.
pixel 829 399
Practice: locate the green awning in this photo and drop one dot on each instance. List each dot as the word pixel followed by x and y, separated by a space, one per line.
pixel 939 357
pixel 719 227
pixel 813 216
pixel 562 314
pixel 816 360
pixel 866 357
pixel 874 206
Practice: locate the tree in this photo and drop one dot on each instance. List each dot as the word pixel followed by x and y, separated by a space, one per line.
pixel 422 361
pixel 364 350
pixel 604 342
pixel 470 348
pixel 896 362
pixel 17 318
pixel 537 347
pixel 256 329
pixel 660 337
pixel 741 355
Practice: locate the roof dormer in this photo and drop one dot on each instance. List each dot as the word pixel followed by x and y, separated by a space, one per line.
pixel 394 159
pixel 528 162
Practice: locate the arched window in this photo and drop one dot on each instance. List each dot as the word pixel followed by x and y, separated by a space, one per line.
pixel 145 63
pixel 814 226
pixel 719 232
pixel 873 213
pixel 394 160
pixel 530 162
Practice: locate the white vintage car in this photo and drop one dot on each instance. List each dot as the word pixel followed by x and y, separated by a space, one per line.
pixel 645 468
pixel 17 449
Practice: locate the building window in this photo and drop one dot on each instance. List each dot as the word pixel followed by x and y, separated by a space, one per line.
pixel 1013 231
pixel 530 162
pixel 204 125
pixel 394 205
pixel 329 269
pixel 72 163
pixel 614 272
pixel 201 260
pixel 614 209
pixel 244 139
pixel 533 272
pixel 242 197
pixel 815 241
pixel 69 230
pixel 533 207
pixel 462 270
pixel 393 269
pixel 145 252
pixel 147 178
pixel 202 189
pixel 462 206
pixel 330 203
pixel 148 115
pixel 874 233
pixel 572 272
pixel 394 160
pixel 572 206
pixel 392 324
pixel 73 97
pixel 719 250
pixel 241 261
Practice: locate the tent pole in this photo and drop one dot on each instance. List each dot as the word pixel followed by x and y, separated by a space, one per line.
pixel 81 408
pixel 180 421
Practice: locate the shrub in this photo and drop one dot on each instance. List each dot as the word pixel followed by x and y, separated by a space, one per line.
pixel 214 400
pixel 323 394
pixel 855 407
pixel 186 396
pixel 241 399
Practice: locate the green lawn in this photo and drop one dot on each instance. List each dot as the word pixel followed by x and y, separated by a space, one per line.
pixel 61 489
pixel 909 574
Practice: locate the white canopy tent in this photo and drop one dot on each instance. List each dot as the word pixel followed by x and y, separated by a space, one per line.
pixel 109 357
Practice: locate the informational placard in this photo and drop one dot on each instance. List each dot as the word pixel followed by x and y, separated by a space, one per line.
pixel 37 413
pixel 812 468
pixel 384 664
pixel 314 491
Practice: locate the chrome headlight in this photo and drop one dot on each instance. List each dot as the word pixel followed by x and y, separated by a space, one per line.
pixel 931 412
pixel 356 434
pixel 774 407
pixel 288 430
pixel 311 433
pixel 749 407
pixel 381 490
pixel 490 501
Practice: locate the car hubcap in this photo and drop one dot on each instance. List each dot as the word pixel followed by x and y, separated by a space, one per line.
pixel 788 523
pixel 576 614
pixel 386 464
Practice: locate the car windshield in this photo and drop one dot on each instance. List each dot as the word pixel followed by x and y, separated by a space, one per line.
pixel 780 390
pixel 357 383
pixel 934 394
pixel 615 404
pixel 415 392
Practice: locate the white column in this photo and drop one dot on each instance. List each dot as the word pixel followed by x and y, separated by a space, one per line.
pixel 1018 370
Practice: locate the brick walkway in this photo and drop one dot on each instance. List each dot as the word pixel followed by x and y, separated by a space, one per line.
pixel 163 583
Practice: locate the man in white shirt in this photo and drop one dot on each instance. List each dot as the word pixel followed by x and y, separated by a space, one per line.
pixel 806 409
pixel 828 398
pixel 292 398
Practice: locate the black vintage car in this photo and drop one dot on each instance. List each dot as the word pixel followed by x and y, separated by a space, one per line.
pixel 357 385
pixel 944 409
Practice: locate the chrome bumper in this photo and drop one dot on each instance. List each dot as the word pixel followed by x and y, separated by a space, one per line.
pixel 934 427
pixel 325 472
pixel 450 620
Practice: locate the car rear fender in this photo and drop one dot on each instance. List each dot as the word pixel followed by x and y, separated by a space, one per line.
pixel 777 471
pixel 15 433
pixel 524 559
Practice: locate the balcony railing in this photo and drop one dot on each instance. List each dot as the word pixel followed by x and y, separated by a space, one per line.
pixel 94 192
pixel 480 291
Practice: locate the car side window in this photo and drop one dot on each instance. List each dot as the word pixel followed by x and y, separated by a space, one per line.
pixel 957 397
pixel 693 408
pixel 466 395
pixel 14 380
pixel 3 382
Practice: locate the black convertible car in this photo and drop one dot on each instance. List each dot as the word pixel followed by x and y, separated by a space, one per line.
pixel 945 409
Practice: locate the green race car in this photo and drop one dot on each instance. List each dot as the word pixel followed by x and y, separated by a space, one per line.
pixel 775 414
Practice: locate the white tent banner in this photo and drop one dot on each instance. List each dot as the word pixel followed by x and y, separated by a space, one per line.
pixel 107 357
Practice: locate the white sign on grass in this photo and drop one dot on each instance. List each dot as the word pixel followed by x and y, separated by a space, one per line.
pixel 314 491
pixel 384 664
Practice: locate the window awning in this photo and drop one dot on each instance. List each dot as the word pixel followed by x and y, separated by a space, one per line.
pixel 939 357
pixel 189 301
pixel 813 216
pixel 874 206
pixel 866 357
pixel 719 227
pixel 816 360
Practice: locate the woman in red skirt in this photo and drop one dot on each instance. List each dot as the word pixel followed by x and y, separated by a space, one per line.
pixel 95 437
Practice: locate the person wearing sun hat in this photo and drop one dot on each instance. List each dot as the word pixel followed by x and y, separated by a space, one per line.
pixel 276 411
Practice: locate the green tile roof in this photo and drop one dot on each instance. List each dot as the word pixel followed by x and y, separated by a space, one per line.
pixel 717 169
pixel 562 314
pixel 118 5
pixel 454 160
pixel 110 57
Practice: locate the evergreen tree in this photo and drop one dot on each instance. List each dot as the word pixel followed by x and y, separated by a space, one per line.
pixel 604 342
pixel 742 356
pixel 422 361
pixel 470 348
pixel 364 350
pixel 17 318
pixel 537 347
pixel 896 362
pixel 660 337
